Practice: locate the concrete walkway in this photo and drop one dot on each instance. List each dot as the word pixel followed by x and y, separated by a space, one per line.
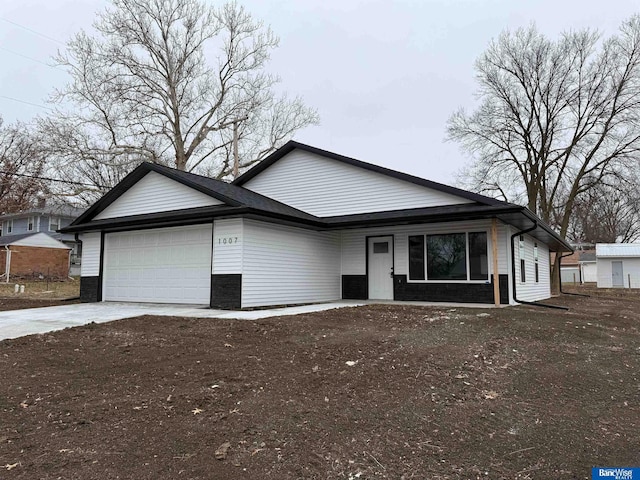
pixel 17 323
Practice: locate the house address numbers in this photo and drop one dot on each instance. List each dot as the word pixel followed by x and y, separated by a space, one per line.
pixel 231 240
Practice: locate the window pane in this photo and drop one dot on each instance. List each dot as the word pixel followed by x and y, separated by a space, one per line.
pixel 446 257
pixel 380 247
pixel 416 257
pixel 478 264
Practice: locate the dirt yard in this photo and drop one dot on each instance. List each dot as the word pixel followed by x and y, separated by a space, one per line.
pixel 394 392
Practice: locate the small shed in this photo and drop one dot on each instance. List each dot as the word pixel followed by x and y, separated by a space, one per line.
pixel 34 255
pixel 588 266
pixel 618 265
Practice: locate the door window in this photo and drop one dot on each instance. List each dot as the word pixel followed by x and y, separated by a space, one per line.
pixel 381 247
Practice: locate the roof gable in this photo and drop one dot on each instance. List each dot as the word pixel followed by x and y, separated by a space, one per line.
pixel 327 185
pixel 221 195
pixel 293 145
pixel 155 192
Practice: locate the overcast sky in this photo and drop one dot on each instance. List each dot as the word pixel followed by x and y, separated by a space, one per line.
pixel 384 75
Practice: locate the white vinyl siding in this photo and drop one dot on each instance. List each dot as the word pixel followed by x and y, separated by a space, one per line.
pixel 160 265
pixel 589 272
pixel 354 244
pixel 90 254
pixel 530 291
pixel 156 193
pixel 227 246
pixel 630 271
pixel 326 187
pixel 288 265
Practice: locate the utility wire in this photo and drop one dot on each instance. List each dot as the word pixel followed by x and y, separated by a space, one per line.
pixel 49 179
pixel 27 103
pixel 51 39
pixel 29 58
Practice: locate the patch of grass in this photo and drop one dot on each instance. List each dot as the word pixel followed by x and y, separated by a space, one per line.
pixel 41 289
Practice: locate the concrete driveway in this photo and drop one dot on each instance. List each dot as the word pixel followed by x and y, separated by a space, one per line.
pixel 17 323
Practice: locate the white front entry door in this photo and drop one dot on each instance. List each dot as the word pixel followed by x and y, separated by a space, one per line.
pixel 617 274
pixel 160 265
pixel 380 267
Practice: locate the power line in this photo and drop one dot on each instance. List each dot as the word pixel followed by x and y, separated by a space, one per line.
pixel 33 31
pixel 29 58
pixel 27 103
pixel 49 179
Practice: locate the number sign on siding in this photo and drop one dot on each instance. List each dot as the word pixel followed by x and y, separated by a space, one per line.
pixel 221 241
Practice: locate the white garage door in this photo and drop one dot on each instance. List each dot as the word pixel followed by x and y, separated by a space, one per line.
pixel 163 265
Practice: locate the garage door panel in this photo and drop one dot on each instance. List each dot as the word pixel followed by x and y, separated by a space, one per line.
pixel 170 265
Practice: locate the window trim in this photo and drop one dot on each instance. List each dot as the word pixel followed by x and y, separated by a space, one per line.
pixel 58 223
pixel 31 222
pixel 10 226
pixel 522 255
pixel 536 262
pixel 424 235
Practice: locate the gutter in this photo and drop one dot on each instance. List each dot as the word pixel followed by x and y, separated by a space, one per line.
pixel 513 271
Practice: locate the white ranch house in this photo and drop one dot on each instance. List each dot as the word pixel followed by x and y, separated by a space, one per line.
pixel 303 226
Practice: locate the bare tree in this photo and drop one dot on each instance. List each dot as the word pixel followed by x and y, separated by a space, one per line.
pixel 555 118
pixel 145 87
pixel 21 165
pixel 607 214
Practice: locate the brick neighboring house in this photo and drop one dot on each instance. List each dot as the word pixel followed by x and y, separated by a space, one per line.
pixel 34 255
pixel 45 219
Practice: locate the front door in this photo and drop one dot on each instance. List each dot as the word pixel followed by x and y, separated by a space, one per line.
pixel 380 267
pixel 617 275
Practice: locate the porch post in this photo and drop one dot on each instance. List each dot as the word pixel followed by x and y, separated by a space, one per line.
pixel 494 249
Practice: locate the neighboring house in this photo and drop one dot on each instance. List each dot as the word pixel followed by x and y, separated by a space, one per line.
pixel 588 266
pixel 46 219
pixel 618 265
pixel 570 268
pixel 306 225
pixel 579 267
pixel 33 255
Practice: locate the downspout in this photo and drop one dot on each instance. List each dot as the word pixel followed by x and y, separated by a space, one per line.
pixel 559 259
pixel 513 271
pixel 7 263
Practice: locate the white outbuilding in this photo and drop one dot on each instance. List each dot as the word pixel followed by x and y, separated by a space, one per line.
pixel 618 265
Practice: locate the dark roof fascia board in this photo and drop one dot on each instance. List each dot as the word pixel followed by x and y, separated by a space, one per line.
pixel 533 217
pixel 185 217
pixel 471 210
pixel 200 213
pixel 292 145
pixel 132 178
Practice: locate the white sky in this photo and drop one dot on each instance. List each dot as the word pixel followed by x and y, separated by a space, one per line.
pixel 384 75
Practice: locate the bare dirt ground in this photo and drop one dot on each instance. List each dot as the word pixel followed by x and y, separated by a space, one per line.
pixel 396 392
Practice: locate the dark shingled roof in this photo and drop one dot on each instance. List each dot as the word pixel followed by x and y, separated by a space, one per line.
pixel 239 201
